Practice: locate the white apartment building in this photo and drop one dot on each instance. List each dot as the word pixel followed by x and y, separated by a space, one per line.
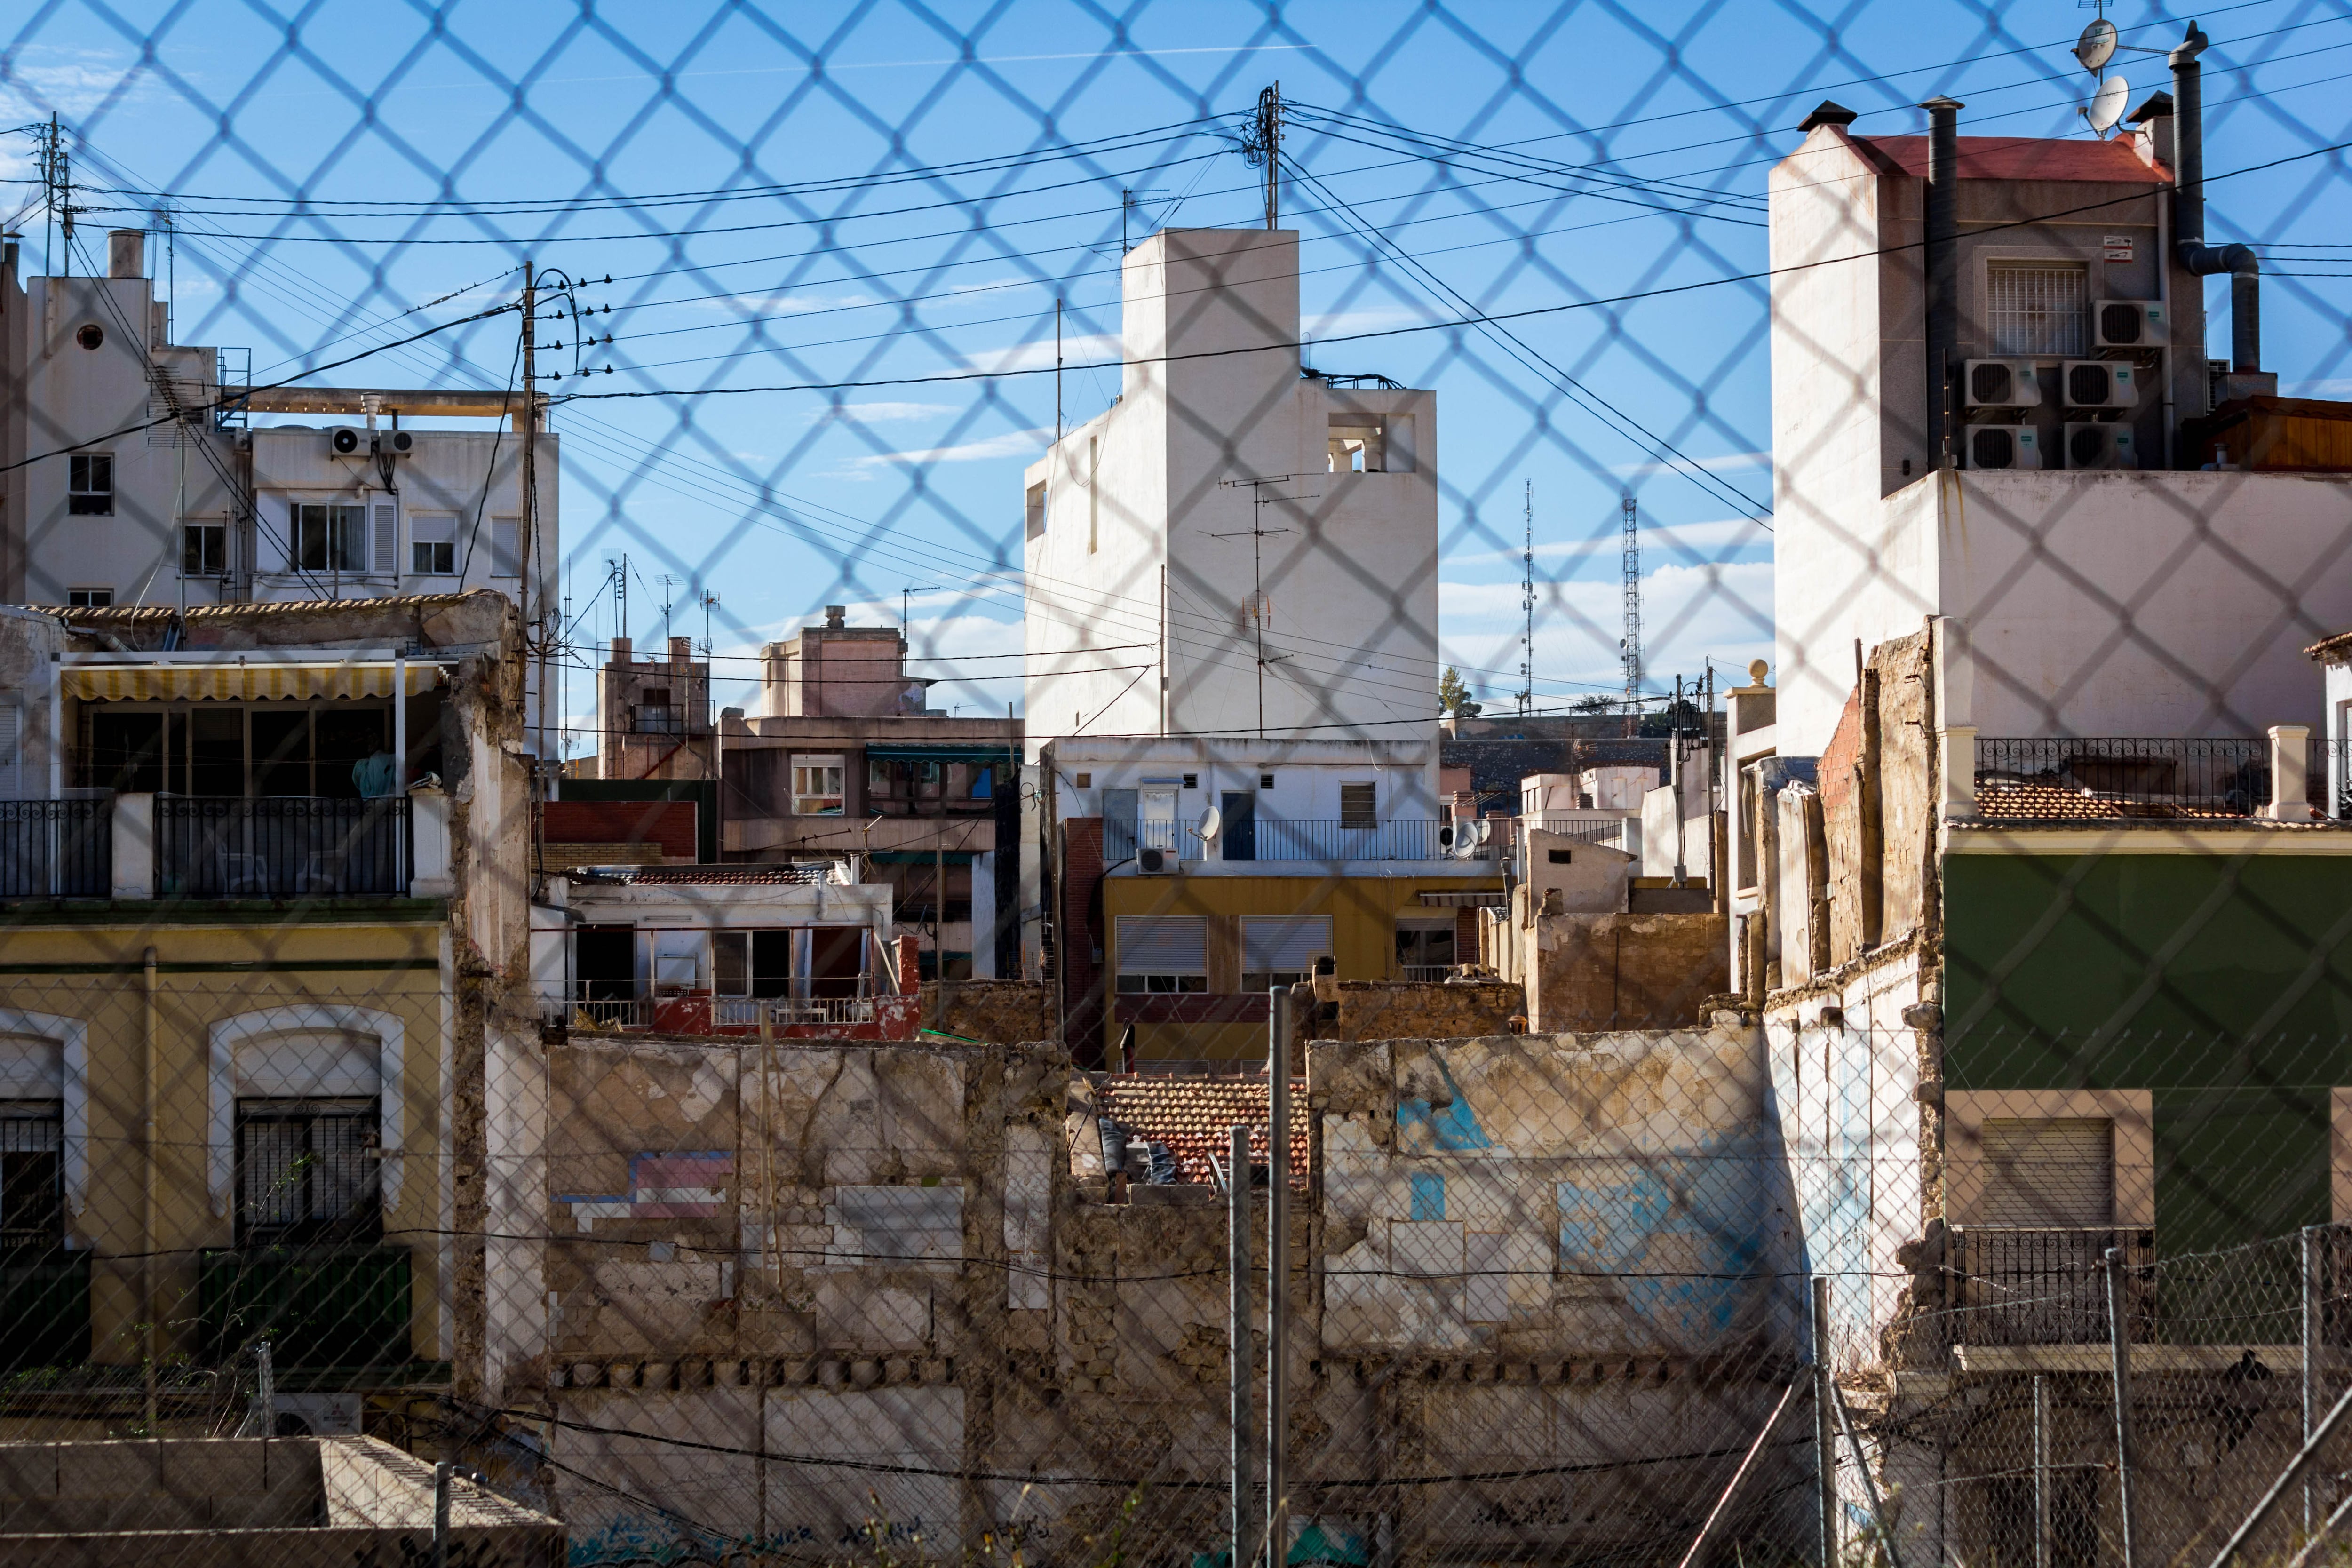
pixel 161 492
pixel 1234 546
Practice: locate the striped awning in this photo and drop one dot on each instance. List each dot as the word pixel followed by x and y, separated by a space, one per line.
pixel 239 682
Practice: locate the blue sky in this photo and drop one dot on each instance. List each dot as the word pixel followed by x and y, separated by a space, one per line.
pixel 955 169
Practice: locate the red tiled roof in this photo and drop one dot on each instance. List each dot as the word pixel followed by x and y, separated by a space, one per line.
pixel 2329 648
pixel 1193 1116
pixel 2018 158
pixel 2008 800
pixel 726 876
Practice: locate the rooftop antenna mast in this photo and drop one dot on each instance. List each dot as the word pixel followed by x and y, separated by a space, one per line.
pixel 1527 608
pixel 1633 644
pixel 1257 534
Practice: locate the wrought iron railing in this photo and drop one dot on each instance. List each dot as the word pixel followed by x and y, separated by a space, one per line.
pixel 2013 1285
pixel 56 848
pixel 2056 778
pixel 602 1004
pixel 288 848
pixel 1425 974
pixel 1260 838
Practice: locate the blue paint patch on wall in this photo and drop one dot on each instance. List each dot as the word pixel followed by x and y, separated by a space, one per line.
pixel 1428 1190
pixel 1683 1234
pixel 1452 1127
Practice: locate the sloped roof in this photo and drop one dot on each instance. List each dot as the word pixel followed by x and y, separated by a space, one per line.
pixel 2018 158
pixel 2331 650
pixel 1193 1114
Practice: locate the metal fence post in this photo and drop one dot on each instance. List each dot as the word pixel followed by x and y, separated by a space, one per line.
pixel 266 1388
pixel 2041 1471
pixel 1825 1421
pixel 1277 1277
pixel 2315 1256
pixel 1237 1328
pixel 2119 1343
pixel 441 1514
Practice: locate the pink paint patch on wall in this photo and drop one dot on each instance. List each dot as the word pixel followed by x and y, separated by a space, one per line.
pixel 661 1187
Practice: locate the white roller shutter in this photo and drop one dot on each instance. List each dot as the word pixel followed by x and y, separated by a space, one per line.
pixel 1283 944
pixel 1163 945
pixel 2048 1172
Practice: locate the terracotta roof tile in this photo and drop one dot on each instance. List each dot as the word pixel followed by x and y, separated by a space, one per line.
pixel 2018 158
pixel 2009 800
pixel 1191 1115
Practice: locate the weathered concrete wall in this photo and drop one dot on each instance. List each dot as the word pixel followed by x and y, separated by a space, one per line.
pixel 999 1012
pixel 1453 1009
pixel 1635 972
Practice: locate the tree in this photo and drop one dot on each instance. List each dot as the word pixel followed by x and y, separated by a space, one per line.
pixel 1595 703
pixel 1451 692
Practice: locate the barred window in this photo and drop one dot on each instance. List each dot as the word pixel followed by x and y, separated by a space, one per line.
pixel 307 1171
pixel 2038 309
pixel 32 1173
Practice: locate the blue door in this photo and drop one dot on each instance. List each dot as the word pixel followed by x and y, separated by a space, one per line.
pixel 1239 808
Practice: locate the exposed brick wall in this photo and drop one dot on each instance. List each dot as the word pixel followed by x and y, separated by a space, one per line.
pixel 668 823
pixel 1842 829
pixel 1083 936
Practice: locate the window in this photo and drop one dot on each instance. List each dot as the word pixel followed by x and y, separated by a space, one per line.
pixel 1163 954
pixel 1357 444
pixel 731 962
pixel 1094 493
pixel 433 544
pixel 90 335
pixel 12 752
pixel 386 554
pixel 2049 1173
pixel 329 537
pixel 817 786
pixel 306 1171
pixel 1424 949
pixel 90 485
pixel 656 715
pixel 1266 781
pixel 204 550
pixel 88 599
pixel 1359 806
pixel 1034 515
pixel 2037 309
pixel 1280 950
pixel 32 1173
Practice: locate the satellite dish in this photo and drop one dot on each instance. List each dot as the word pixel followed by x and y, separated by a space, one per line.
pixel 2107 104
pixel 1212 823
pixel 1485 831
pixel 2096 46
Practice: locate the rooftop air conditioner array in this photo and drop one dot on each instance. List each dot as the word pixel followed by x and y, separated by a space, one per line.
pixel 2127 324
pixel 351 441
pixel 2003 447
pixel 2099 384
pixel 2001 384
pixel 348 441
pixel 2092 446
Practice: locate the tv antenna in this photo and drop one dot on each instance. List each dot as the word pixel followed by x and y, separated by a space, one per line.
pixel 1527 607
pixel 1257 534
pixel 1631 647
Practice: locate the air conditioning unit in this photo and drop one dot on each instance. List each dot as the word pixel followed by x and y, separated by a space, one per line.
pixel 348 441
pixel 2127 324
pixel 1153 861
pixel 399 443
pixel 2099 384
pixel 2000 384
pixel 2100 446
pixel 2003 447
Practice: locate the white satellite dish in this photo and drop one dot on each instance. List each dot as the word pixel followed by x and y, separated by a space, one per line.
pixel 1486 833
pixel 2096 46
pixel 1212 823
pixel 2107 104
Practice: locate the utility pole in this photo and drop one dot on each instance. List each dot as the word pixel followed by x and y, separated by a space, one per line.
pixel 1527 608
pixel 529 525
pixel 1256 534
pixel 1262 149
pixel 666 581
pixel 1057 371
pixel 1633 644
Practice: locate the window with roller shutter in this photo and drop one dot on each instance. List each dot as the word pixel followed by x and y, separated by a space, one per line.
pixel 2049 1173
pixel 1279 950
pixel 1162 955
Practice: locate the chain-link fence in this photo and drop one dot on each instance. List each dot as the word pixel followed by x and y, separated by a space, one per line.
pixel 666 763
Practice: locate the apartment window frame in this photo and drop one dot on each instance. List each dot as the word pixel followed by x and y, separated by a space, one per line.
pixel 1266 939
pixel 429 556
pixel 1359 805
pixel 2028 311
pixel 32 1174
pixel 1150 943
pixel 336 1169
pixel 811 794
pixel 89 484
pixel 327 536
pixel 88 599
pixel 203 548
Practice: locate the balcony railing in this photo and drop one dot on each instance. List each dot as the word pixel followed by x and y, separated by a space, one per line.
pixel 292 848
pixel 594 1004
pixel 2031 1285
pixel 317 1306
pixel 56 848
pixel 1293 840
pixel 44 1308
pixel 1425 974
pixel 2043 778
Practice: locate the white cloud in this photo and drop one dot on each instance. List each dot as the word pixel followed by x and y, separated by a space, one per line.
pixel 882 412
pixel 46 79
pixel 1077 350
pixel 1011 444
pixel 1346 323
pixel 1722 463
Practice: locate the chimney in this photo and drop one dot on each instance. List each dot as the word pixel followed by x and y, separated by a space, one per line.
pixel 619 650
pixel 681 652
pixel 2188 211
pixel 1943 270
pixel 836 616
pixel 126 253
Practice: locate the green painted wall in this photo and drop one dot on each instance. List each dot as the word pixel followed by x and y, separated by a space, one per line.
pixel 2224 986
